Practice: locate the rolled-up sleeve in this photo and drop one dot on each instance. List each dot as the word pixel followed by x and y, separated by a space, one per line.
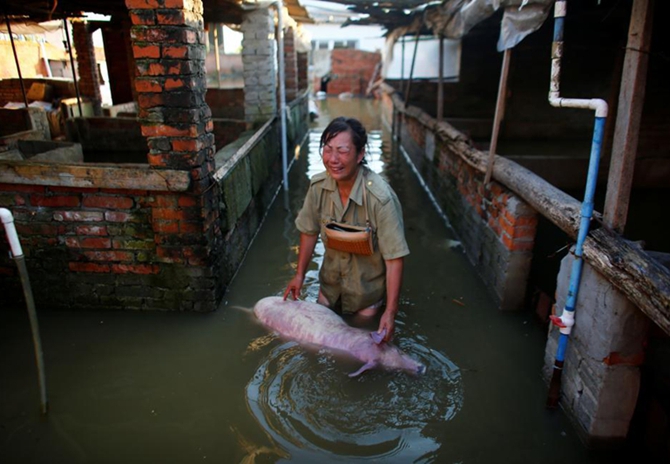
pixel 307 220
pixel 391 230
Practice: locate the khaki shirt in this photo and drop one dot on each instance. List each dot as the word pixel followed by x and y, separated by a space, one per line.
pixel 358 281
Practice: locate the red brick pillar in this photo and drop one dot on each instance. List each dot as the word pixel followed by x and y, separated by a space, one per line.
pixel 303 65
pixel 87 65
pixel 169 48
pixel 290 65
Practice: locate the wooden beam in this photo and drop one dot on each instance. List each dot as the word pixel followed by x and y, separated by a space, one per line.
pixel 629 114
pixel 133 177
pixel 643 280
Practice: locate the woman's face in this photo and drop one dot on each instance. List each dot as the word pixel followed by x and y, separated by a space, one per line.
pixel 340 157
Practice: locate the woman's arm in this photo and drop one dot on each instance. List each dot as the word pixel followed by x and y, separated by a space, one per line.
pixel 393 283
pixel 307 245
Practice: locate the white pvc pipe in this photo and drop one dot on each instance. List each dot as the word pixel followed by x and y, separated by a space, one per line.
pixel 17 252
pixel 12 236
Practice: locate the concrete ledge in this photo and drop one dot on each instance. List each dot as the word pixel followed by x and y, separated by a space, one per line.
pixel 133 177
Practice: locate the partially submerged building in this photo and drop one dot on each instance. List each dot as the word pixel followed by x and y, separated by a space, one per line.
pixel 167 228
pixel 509 166
pixel 150 203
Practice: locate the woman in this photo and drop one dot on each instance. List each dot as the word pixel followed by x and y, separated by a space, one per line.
pixel 349 193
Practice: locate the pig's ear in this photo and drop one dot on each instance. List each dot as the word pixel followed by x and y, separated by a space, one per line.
pixel 378 338
pixel 367 366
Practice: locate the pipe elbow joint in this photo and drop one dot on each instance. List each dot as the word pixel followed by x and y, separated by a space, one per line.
pixel 600 107
pixel 6 216
pixel 10 229
pixel 564 322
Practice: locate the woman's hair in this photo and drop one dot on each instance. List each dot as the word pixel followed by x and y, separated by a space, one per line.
pixel 338 125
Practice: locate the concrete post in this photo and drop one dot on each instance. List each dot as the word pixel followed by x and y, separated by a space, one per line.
pixel 601 377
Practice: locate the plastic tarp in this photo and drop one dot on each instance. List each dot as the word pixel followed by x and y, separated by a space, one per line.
pixel 455 18
pixel 31 27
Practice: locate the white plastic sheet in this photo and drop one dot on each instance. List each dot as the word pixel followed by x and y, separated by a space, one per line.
pixel 455 18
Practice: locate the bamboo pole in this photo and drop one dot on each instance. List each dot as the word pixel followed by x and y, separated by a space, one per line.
pixel 499 114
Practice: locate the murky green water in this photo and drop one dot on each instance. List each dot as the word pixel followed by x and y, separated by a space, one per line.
pixel 182 388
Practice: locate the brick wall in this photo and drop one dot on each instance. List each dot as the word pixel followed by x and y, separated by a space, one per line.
pixel 351 70
pixel 10 89
pixel 104 249
pixel 496 228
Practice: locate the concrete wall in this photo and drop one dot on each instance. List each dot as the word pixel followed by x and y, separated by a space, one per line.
pixel 497 229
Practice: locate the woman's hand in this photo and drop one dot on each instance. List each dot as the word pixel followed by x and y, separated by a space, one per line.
pixel 387 322
pixel 294 287
pixel 307 244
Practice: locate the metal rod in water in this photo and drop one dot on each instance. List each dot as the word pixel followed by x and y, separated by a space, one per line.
pixel 16 60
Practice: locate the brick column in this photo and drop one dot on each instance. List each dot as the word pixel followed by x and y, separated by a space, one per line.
pixel 259 52
pixel 290 65
pixel 303 71
pixel 87 66
pixel 168 45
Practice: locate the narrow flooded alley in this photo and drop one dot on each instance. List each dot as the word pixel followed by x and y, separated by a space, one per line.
pixel 188 387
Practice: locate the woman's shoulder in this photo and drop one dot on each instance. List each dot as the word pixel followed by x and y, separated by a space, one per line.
pixel 320 177
pixel 378 187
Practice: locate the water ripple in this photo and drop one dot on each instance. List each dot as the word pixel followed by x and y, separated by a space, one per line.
pixel 310 408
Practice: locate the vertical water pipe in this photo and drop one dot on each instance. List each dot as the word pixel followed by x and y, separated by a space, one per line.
pixel 282 98
pixel 567 319
pixel 17 254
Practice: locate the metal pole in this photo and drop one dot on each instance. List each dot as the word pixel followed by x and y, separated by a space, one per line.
pixel 440 81
pixel 16 60
pixel 282 98
pixel 499 115
pixel 402 64
pixel 216 54
pixel 411 69
pixel 74 71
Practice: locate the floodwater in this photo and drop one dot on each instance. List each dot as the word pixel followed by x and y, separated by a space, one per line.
pixel 184 388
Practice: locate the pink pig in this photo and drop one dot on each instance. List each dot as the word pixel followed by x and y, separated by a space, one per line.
pixel 311 323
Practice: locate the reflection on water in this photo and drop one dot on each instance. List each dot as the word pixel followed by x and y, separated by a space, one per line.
pixel 313 410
